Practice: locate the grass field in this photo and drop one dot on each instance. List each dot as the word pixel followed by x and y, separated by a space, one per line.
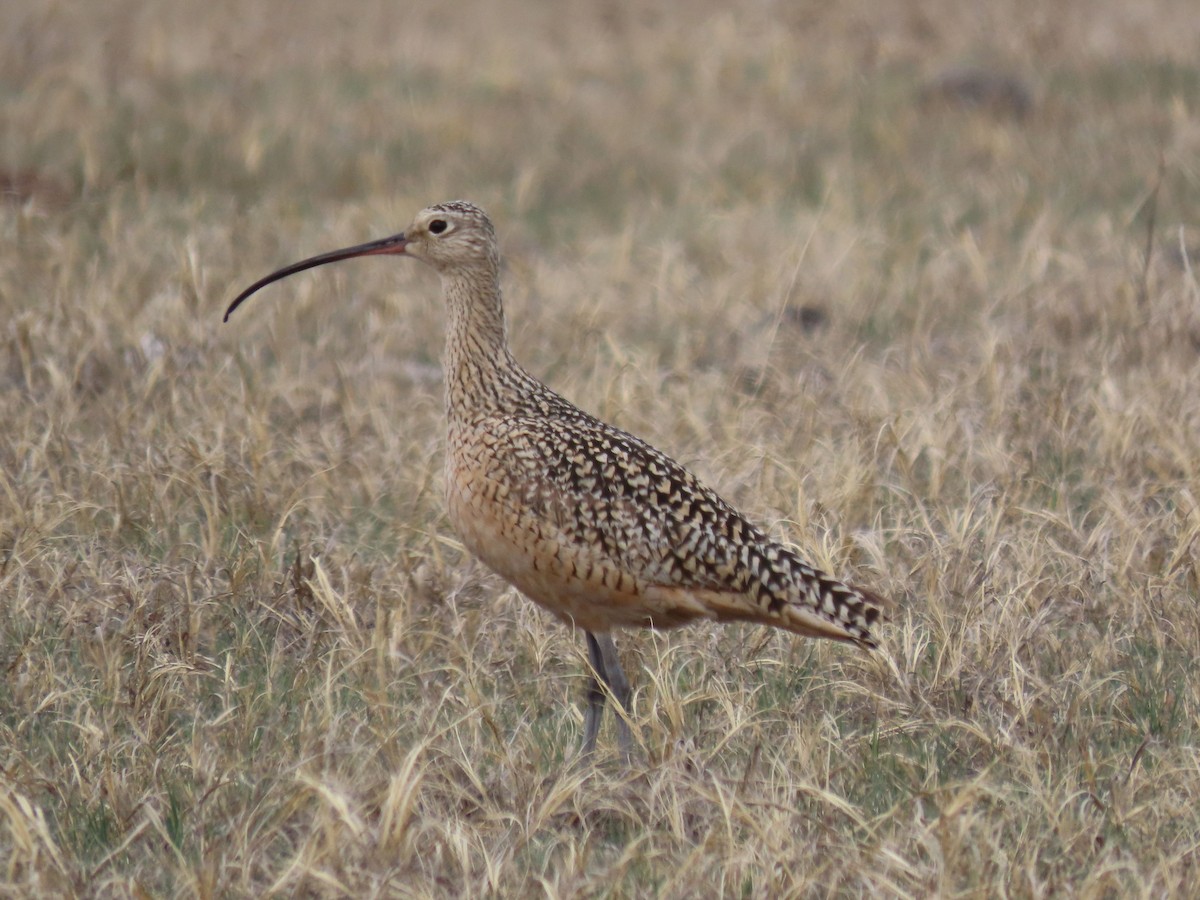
pixel 923 339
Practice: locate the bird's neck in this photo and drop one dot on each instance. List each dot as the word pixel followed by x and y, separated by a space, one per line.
pixel 480 370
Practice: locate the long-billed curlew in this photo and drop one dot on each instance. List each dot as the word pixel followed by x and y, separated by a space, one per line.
pixel 588 521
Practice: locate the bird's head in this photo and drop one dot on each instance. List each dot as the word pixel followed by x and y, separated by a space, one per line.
pixel 451 237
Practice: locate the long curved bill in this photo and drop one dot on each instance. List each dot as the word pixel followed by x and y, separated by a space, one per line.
pixel 388 245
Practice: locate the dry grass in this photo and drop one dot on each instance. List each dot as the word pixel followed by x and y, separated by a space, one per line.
pixel 243 653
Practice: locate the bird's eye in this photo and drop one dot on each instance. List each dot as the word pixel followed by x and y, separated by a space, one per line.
pixel 437 226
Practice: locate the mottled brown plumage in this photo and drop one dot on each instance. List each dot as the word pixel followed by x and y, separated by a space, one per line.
pixel 590 522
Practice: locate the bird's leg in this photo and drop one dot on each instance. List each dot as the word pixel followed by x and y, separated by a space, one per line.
pixel 595 697
pixel 614 675
pixel 602 654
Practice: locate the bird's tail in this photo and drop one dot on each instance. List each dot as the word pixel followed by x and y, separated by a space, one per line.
pixel 819 605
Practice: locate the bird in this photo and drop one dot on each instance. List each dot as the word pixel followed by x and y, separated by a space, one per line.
pixel 593 524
